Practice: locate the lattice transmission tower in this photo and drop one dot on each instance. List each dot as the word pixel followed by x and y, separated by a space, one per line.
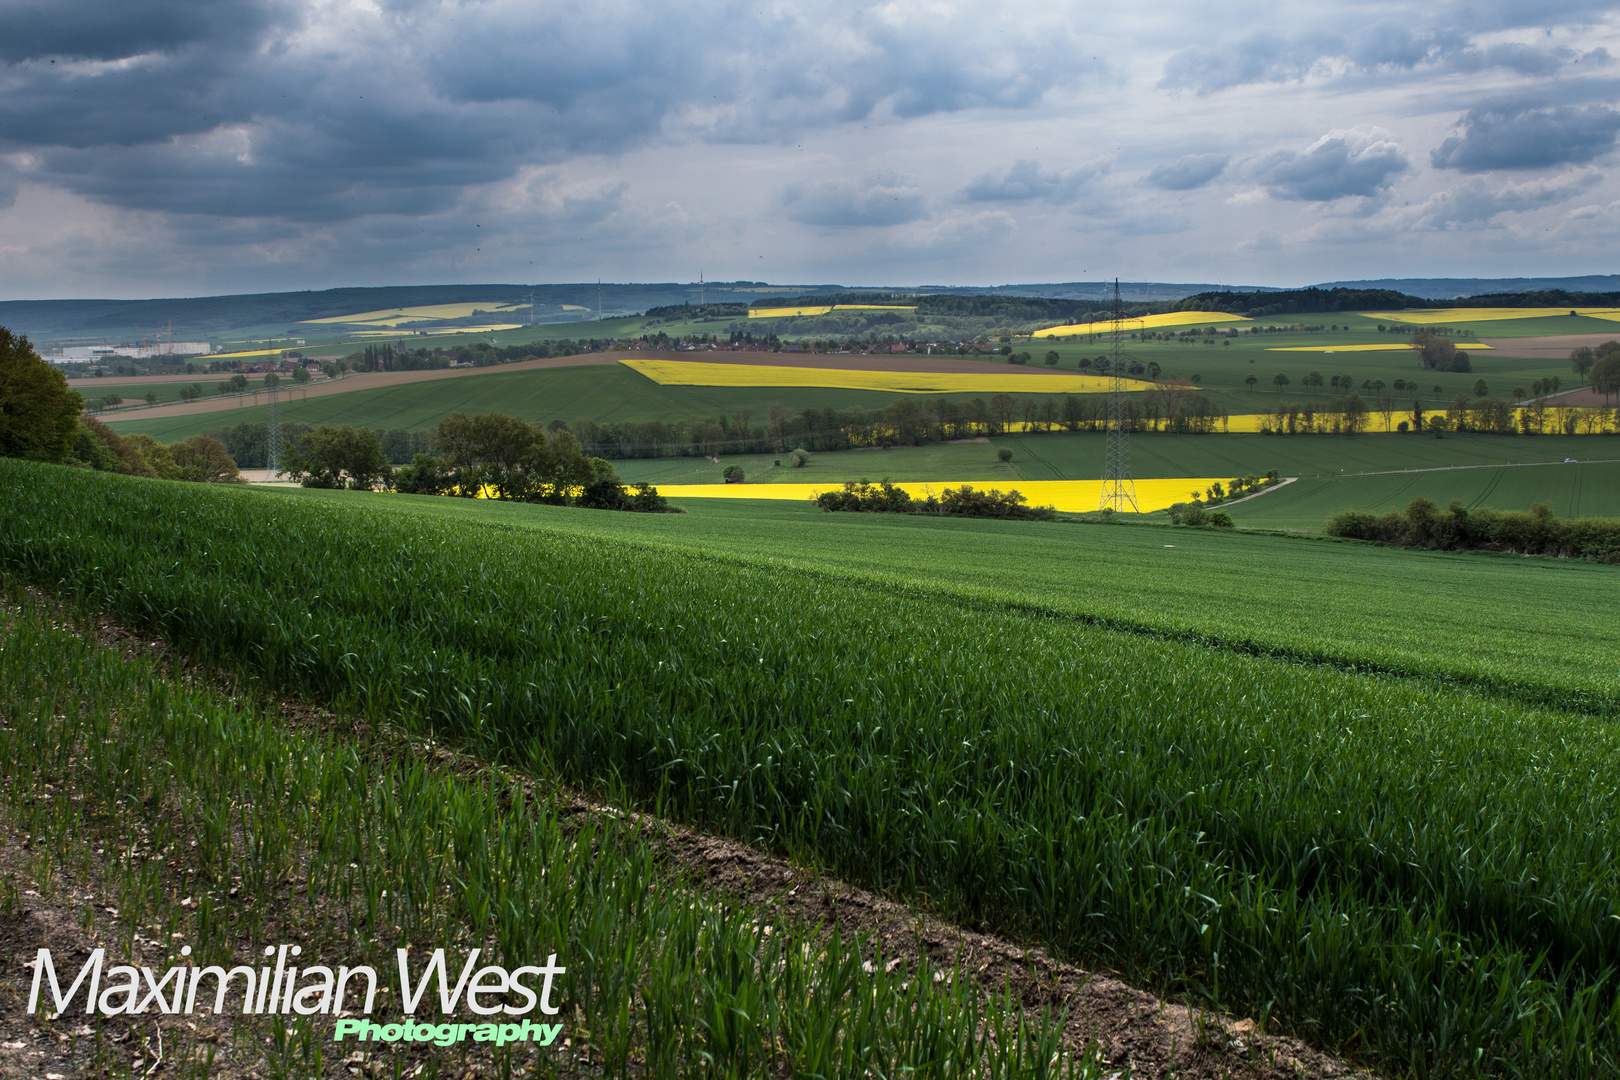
pixel 1119 490
pixel 273 454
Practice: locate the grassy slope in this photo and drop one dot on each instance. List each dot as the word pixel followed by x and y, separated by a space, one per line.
pixel 1323 598
pixel 137 762
pixel 1374 859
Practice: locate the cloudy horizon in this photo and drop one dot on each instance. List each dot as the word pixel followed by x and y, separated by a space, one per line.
pixel 174 147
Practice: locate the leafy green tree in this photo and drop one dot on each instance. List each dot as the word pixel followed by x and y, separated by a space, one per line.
pixel 1440 353
pixel 1279 380
pixel 1072 412
pixel 1581 360
pixel 1605 375
pixel 38 413
pixel 423 476
pixel 1313 380
pixel 733 474
pixel 1480 389
pixel 1004 455
pixel 1355 413
pixel 1250 382
pixel 1001 410
pixel 204 460
pixel 1051 358
pixel 335 457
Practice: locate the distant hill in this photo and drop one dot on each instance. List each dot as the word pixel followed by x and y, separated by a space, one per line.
pixel 58 322
pixel 1451 288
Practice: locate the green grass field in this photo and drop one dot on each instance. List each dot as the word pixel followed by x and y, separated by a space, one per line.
pixel 1578 490
pixel 142 765
pixel 1250 593
pixel 1080 457
pixel 1072 734
pixel 601 393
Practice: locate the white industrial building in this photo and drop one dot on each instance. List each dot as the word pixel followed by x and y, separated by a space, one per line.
pixel 139 352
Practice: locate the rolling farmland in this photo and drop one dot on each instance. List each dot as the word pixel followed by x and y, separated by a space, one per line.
pixel 1416 872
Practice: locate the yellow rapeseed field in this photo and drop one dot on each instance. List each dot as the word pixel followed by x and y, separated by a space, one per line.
pixel 1470 345
pixel 1147 322
pixel 490 328
pixel 244 355
pixel 1448 316
pixel 1070 496
pixel 395 316
pixel 793 312
pixel 683 373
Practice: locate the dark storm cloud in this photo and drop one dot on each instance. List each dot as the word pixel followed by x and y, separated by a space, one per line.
pixel 1528 135
pixel 341 111
pixel 1189 171
pixel 1338 165
pixel 116 29
pixel 1026 180
pixel 875 199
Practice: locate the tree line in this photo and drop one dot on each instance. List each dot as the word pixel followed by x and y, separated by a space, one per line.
pixel 249 442
pixel 906 421
pixel 1423 524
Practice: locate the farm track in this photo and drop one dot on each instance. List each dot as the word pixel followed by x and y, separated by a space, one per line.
pixel 1152 1038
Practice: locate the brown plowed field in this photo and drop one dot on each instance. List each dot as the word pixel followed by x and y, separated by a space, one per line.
pixel 1548 348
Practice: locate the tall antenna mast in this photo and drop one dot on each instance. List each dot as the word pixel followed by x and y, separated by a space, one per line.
pixel 1119 490
pixel 598 299
pixel 702 296
pixel 531 307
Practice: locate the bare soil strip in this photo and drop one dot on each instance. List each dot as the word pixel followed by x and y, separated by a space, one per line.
pixel 1548 348
pixel 1141 1035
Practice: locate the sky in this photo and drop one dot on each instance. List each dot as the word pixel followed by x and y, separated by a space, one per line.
pixel 200 147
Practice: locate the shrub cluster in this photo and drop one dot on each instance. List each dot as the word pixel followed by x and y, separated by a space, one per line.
pixel 1538 532
pixel 1199 516
pixel 965 501
pixel 199 459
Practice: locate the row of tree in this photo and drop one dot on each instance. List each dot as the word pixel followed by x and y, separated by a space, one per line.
pixel 249 442
pixel 907 421
pixel 490 455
